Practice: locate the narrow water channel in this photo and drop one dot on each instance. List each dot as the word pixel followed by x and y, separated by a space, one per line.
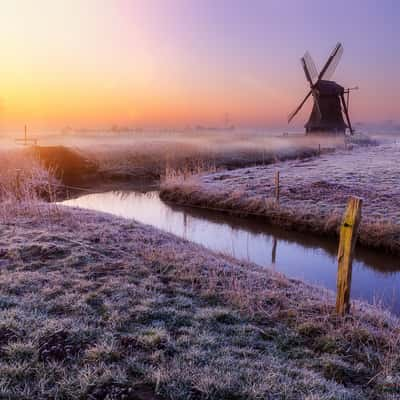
pixel 376 276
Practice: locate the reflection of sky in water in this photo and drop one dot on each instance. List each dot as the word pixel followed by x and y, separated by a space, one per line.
pixel 313 265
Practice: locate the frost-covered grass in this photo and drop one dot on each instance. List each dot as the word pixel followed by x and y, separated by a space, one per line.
pixel 313 192
pixel 97 307
pixel 24 182
pixel 144 157
pixel 147 156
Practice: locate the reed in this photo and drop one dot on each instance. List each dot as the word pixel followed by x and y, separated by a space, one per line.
pixel 24 184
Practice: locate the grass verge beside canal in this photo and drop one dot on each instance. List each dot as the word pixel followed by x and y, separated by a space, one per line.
pixel 97 307
pixel 313 193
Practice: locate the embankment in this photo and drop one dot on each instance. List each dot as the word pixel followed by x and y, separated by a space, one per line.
pixel 67 164
pixel 93 306
pixel 147 157
pixel 313 193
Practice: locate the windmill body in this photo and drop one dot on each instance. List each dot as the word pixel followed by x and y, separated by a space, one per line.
pixel 327 115
pixel 330 110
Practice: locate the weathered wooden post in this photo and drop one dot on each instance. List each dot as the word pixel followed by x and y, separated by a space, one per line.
pixel 347 242
pixel 18 184
pixel 319 149
pixel 277 186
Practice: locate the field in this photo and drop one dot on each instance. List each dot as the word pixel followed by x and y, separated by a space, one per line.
pixel 97 307
pixel 146 156
pixel 313 192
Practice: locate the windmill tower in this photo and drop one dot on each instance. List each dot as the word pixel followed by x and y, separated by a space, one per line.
pixel 329 101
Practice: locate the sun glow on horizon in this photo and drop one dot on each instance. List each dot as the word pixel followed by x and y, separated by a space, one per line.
pixel 96 63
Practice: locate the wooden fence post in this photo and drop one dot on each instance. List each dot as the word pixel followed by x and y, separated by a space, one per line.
pixel 319 149
pixel 277 186
pixel 18 184
pixel 348 238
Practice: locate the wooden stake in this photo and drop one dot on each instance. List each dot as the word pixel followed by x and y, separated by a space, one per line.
pixel 25 140
pixel 277 186
pixel 319 149
pixel 18 184
pixel 348 238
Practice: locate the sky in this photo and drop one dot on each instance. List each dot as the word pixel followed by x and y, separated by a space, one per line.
pixel 94 63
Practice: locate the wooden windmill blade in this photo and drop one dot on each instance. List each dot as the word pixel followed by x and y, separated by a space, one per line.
pixel 332 62
pixel 309 79
pixel 311 73
pixel 295 112
pixel 312 69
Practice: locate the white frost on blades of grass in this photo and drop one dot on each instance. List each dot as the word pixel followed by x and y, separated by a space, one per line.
pixel 24 182
pixel 317 188
pixel 103 301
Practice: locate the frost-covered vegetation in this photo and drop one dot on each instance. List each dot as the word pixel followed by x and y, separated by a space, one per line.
pixel 147 156
pixel 24 182
pixel 97 307
pixel 93 306
pixel 313 192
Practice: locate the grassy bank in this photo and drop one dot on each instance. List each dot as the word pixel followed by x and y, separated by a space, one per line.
pixel 98 307
pixel 313 193
pixel 146 156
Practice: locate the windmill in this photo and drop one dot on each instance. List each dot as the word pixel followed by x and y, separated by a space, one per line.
pixel 329 97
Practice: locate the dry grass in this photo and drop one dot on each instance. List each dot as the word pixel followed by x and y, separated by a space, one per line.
pixel 93 306
pixel 80 159
pixel 24 182
pixel 313 195
pixel 96 307
pixel 148 156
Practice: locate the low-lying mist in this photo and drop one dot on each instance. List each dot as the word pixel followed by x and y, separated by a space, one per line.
pixel 147 155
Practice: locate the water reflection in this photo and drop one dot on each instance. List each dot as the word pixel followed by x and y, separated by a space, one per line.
pixel 311 258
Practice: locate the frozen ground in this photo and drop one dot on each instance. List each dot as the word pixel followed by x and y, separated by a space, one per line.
pixel 98 307
pixel 313 192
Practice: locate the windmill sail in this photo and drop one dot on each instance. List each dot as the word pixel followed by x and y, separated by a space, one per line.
pixel 309 62
pixel 312 86
pixel 333 60
pixel 294 113
pixel 333 65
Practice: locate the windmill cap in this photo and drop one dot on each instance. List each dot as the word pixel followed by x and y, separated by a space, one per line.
pixel 329 88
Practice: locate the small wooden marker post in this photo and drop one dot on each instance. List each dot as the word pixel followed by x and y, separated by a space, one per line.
pixel 319 149
pixel 348 238
pixel 26 140
pixel 18 184
pixel 277 186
